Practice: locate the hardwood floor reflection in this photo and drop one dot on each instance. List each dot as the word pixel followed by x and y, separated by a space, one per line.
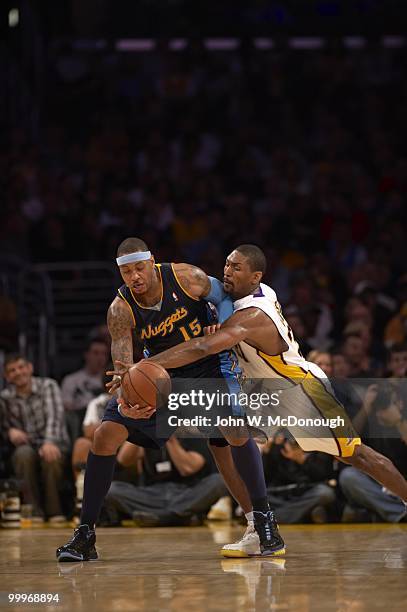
pixel 353 568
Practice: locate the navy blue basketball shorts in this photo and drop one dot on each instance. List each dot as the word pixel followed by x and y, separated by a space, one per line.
pixel 155 431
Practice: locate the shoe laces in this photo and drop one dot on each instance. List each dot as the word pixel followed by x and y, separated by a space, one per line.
pixel 249 530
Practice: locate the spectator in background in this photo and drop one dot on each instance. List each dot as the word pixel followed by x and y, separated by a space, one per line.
pixel 100 333
pixel 383 424
pixel 296 322
pixel 372 347
pixel 315 314
pixel 397 361
pixel 80 387
pixel 356 310
pixel 345 391
pixel 297 482
pixel 323 359
pixel 355 350
pixel 381 306
pixel 179 485
pixel 396 329
pixel 93 417
pixel 34 424
pixel 340 365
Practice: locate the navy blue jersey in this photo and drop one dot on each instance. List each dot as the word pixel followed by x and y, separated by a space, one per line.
pixel 180 318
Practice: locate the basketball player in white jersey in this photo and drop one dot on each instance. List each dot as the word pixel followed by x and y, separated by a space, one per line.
pixel 267 350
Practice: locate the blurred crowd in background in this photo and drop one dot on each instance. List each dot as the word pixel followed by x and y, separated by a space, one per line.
pixel 197 152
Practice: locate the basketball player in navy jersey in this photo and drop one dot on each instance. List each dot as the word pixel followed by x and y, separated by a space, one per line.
pixel 166 304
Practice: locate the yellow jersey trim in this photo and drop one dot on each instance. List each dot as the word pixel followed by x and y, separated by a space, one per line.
pixel 158 266
pixel 183 288
pixel 131 310
pixel 292 372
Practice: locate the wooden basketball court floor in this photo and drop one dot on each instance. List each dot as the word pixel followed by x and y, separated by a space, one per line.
pixel 352 568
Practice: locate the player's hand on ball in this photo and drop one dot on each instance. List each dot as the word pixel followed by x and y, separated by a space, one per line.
pixel 118 373
pixel 135 411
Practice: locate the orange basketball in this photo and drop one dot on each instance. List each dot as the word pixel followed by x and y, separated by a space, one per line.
pixel 146 384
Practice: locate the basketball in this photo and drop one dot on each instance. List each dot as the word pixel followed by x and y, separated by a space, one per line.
pixel 146 384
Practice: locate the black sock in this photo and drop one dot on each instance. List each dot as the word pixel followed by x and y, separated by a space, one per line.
pixel 98 478
pixel 249 464
pixel 260 504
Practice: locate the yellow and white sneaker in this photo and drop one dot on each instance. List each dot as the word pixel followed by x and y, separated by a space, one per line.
pixel 246 547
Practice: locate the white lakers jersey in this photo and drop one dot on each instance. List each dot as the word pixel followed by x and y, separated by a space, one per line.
pixel 257 364
pixel 304 389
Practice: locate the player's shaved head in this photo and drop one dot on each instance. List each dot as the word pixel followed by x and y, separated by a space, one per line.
pixel 243 271
pixel 131 245
pixel 255 257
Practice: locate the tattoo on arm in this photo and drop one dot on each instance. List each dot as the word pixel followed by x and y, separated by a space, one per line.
pixel 194 280
pixel 120 323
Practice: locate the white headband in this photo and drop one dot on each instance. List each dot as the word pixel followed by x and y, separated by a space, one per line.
pixel 133 257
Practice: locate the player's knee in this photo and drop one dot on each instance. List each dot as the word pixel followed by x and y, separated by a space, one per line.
pixel 103 442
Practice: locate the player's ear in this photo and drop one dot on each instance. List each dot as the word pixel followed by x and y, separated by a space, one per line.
pixel 257 276
pixel 152 259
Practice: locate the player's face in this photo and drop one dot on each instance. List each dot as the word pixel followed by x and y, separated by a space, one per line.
pixel 238 278
pixel 19 372
pixel 138 276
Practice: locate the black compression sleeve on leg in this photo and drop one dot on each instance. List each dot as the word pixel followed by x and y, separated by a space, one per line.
pixel 98 478
pixel 249 464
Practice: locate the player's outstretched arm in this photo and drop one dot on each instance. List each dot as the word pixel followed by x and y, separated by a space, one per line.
pixel 237 328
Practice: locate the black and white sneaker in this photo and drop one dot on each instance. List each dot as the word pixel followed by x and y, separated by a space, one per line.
pixel 271 542
pixel 81 547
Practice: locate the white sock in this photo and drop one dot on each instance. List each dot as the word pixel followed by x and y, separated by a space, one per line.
pixel 249 517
